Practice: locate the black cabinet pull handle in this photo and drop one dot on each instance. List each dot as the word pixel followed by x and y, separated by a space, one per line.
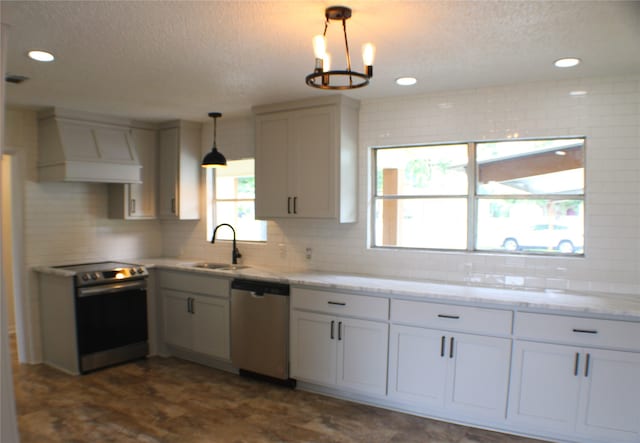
pixel 585 331
pixel 442 346
pixel 173 205
pixel 295 201
pixel 193 307
pixel 451 348
pixel 454 317
pixel 332 324
pixel 339 330
pixel 586 365
pixel 336 303
pixel 576 364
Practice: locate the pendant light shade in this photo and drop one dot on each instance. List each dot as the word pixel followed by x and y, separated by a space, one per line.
pixel 214 158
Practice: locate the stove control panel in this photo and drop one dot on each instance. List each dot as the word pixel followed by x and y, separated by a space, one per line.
pixel 111 275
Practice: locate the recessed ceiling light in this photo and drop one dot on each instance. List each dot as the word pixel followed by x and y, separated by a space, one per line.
pixel 41 56
pixel 566 62
pixel 406 81
pixel 577 93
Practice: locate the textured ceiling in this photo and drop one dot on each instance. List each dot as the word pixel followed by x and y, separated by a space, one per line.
pixel 158 60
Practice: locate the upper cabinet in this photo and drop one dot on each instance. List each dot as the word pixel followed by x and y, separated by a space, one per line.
pixel 137 201
pixel 306 159
pixel 179 171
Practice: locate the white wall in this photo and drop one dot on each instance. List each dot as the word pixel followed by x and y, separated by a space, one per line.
pixel 609 116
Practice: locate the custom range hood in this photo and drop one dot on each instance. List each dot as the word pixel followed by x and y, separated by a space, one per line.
pixel 82 147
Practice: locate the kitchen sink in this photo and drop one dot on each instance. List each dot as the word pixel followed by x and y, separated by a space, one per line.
pixel 219 266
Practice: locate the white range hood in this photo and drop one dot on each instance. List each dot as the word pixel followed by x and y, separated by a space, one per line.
pixel 81 147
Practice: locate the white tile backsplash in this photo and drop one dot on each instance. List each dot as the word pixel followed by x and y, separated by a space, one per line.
pixel 67 222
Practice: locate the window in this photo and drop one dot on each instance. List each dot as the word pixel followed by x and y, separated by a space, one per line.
pixel 232 200
pixel 514 195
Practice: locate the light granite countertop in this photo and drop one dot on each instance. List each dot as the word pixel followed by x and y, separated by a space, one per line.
pixel 626 306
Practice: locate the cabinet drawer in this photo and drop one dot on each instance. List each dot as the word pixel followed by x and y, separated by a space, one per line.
pixel 195 283
pixel 453 317
pixel 341 304
pixel 578 330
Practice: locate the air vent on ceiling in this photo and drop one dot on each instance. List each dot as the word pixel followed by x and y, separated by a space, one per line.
pixel 14 78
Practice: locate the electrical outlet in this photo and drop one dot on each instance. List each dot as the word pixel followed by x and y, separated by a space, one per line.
pixel 282 248
pixel 307 253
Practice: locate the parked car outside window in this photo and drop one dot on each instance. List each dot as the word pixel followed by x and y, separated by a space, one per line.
pixel 545 237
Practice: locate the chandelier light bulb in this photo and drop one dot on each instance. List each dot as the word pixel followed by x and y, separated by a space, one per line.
pixel 368 54
pixel 319 46
pixel 326 62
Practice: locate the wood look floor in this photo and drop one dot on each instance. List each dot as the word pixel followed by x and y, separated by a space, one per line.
pixel 170 400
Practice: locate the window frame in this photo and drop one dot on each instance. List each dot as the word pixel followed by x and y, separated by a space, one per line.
pixel 472 198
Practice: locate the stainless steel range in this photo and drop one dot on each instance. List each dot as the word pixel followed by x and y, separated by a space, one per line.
pixel 110 313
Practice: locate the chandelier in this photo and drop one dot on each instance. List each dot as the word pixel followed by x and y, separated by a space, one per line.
pixel 322 76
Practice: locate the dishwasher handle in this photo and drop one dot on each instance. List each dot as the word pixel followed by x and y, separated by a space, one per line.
pixel 260 287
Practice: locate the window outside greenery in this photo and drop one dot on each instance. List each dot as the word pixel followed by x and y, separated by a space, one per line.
pixel 233 201
pixel 514 195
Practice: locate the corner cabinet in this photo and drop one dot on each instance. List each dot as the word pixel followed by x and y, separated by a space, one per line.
pixel 329 348
pixel 195 313
pixel 575 376
pixel 137 201
pixel 306 159
pixel 179 171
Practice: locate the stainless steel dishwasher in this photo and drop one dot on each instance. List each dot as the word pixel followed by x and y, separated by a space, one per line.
pixel 260 328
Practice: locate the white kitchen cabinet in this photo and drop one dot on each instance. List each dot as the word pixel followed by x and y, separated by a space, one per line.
pixel 197 323
pixel 438 371
pixel 177 322
pixel 335 351
pixel 137 201
pixel 179 171
pixel 306 159
pixel 331 349
pixel 195 313
pixel 449 359
pixel 571 390
pixel 576 377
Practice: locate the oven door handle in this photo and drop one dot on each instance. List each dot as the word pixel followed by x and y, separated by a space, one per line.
pixel 112 288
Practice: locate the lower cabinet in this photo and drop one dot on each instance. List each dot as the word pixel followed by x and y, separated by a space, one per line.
pixel 443 371
pixel 588 392
pixel 195 312
pixel 336 351
pixel 197 323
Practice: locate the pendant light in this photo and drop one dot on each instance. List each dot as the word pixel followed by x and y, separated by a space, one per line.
pixel 214 159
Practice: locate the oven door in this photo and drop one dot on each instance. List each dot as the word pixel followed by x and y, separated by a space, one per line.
pixel 111 322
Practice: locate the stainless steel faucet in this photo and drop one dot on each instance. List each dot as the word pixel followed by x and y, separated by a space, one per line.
pixel 235 253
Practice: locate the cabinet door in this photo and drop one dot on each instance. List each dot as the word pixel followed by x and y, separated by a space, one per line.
pixel 478 376
pixel 272 145
pixel 142 196
pixel 312 162
pixel 610 392
pixel 168 174
pixel 313 347
pixel 362 355
pixel 417 366
pixel 211 326
pixel 545 384
pixel 178 327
